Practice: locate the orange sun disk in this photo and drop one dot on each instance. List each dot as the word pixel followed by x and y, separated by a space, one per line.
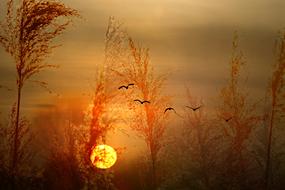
pixel 103 156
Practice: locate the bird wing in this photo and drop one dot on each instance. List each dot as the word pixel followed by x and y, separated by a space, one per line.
pixel 145 101
pixel 189 107
pixel 169 109
pixel 137 100
pixel 122 87
pixel 131 84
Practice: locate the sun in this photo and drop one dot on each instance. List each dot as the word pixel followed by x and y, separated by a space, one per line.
pixel 103 156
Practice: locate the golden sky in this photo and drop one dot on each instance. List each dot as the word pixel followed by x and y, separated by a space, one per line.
pixel 189 38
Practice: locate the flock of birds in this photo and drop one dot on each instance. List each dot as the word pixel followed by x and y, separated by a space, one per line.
pixel 194 109
pixel 148 102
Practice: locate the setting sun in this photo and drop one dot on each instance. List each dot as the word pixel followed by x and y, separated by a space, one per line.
pixel 103 156
pixel 142 94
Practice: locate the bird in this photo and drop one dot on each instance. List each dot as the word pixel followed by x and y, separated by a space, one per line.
pixel 142 102
pixel 126 87
pixel 228 119
pixel 194 109
pixel 168 109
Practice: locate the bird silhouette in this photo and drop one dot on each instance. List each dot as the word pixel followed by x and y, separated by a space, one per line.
pixel 228 119
pixel 169 109
pixel 126 87
pixel 194 109
pixel 142 102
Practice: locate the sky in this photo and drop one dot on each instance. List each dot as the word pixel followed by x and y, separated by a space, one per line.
pixel 191 39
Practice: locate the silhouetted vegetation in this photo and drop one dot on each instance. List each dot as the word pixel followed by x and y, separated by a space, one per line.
pixel 149 120
pixel 26 34
pixel 237 105
pixel 24 176
pixel 276 117
pixel 233 146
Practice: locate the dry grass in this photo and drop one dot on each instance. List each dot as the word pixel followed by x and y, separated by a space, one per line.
pixel 26 34
pixel 237 105
pixel 149 120
pixel 277 94
pixel 202 141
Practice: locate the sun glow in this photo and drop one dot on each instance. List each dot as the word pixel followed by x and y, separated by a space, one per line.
pixel 103 156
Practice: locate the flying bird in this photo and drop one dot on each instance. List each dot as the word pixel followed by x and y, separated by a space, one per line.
pixel 194 109
pixel 169 109
pixel 126 87
pixel 228 119
pixel 142 102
